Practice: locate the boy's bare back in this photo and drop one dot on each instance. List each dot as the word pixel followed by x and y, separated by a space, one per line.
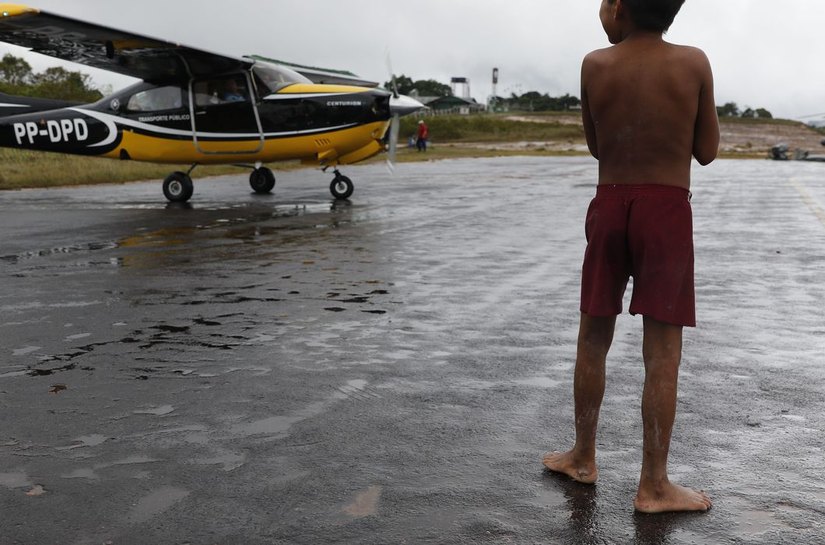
pixel 648 107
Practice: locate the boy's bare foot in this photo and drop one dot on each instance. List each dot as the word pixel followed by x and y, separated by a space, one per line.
pixel 565 462
pixel 671 497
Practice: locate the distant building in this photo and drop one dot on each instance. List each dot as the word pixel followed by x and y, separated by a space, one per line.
pixel 451 105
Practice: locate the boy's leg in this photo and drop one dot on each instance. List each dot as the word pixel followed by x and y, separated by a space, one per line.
pixel 595 337
pixel 662 349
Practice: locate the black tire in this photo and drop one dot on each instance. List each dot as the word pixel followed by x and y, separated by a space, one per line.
pixel 262 180
pixel 177 187
pixel 341 187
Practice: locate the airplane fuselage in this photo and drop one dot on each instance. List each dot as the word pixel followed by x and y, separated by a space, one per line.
pixel 192 106
pixel 329 124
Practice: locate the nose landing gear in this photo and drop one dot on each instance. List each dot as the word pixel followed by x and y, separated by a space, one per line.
pixel 341 187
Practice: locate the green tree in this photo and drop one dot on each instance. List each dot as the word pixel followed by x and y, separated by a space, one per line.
pixel 432 88
pixel 403 83
pixel 59 83
pixel 425 88
pixel 534 101
pixel 762 113
pixel 568 102
pixel 56 82
pixel 729 109
pixel 14 72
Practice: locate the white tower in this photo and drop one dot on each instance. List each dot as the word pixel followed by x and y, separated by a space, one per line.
pixel 491 104
pixel 462 84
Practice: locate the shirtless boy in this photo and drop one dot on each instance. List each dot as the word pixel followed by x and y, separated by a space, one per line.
pixel 648 108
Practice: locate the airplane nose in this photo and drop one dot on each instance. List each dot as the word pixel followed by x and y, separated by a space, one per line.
pixel 402 105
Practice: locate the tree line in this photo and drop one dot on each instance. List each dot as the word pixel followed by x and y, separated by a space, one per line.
pixel 731 109
pixel 18 78
pixel 532 101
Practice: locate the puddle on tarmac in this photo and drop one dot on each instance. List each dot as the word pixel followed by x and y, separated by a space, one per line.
pixel 549 498
pixel 25 350
pixel 156 411
pixel 754 522
pixel 77 248
pixel 137 459
pixel 38 305
pixel 229 460
pixel 356 389
pixel 156 502
pixel 365 503
pixel 14 480
pixel 274 425
pixel 280 425
pixel 82 474
pixel 19 373
pixel 539 382
pixel 86 441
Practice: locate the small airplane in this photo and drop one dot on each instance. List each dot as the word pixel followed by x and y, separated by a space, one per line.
pixel 195 107
pixel 780 152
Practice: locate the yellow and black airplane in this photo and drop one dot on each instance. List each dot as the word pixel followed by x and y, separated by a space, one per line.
pixel 192 107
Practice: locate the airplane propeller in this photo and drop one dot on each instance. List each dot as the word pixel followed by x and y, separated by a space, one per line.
pixel 395 123
pixel 400 105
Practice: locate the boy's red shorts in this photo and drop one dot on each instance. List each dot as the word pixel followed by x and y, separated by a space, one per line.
pixel 644 231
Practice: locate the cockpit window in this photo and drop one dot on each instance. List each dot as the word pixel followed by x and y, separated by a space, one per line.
pixel 221 90
pixel 157 99
pixel 273 77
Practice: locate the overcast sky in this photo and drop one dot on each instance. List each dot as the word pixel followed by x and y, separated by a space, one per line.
pixel 764 54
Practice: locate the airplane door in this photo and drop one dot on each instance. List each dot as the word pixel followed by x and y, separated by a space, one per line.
pixel 224 115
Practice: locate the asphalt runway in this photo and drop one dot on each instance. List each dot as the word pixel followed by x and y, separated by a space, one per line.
pixel 285 370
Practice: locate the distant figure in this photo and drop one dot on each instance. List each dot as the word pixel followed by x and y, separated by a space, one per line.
pixel 422 136
pixel 231 92
pixel 647 107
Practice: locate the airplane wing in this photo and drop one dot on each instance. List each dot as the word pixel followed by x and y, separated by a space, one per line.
pixel 322 75
pixel 107 48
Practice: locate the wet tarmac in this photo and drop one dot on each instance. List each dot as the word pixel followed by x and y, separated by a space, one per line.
pixel 286 370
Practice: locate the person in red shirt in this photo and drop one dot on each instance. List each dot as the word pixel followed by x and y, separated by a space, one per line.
pixel 422 136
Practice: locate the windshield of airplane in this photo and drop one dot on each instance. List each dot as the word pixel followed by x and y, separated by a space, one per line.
pixel 274 77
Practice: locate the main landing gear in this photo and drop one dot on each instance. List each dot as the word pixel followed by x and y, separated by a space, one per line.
pixel 262 180
pixel 178 187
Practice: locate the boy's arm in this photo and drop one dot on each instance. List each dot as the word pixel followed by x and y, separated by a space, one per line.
pixel 706 130
pixel 587 120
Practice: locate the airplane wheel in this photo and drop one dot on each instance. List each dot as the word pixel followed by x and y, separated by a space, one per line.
pixel 177 187
pixel 341 187
pixel 262 180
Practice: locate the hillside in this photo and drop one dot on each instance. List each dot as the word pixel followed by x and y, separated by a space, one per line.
pixel 739 137
pixel 756 137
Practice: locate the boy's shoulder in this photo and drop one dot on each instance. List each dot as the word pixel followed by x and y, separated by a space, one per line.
pixel 673 52
pixel 598 54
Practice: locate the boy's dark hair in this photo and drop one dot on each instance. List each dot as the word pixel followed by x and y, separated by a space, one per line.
pixel 654 15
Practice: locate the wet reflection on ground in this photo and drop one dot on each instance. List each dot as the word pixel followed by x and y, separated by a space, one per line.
pixel 286 369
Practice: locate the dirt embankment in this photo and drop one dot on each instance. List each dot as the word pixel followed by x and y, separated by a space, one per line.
pixel 758 137
pixel 743 137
